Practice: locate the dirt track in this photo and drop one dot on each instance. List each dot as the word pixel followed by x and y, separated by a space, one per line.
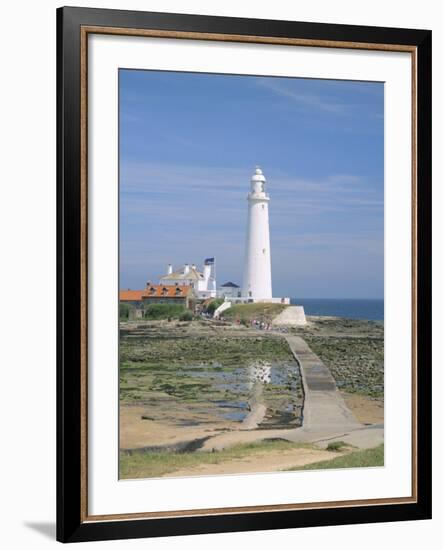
pixel 270 461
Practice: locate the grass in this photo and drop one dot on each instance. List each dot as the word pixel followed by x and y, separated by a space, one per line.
pixel 186 316
pixel 247 312
pixel 365 458
pixel 143 464
pixel 335 446
pixel 164 311
pixel 213 305
pixel 123 311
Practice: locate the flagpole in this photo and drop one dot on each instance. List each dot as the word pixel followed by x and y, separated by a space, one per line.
pixel 215 280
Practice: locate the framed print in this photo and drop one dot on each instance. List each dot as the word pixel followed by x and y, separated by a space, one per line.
pixel 244 271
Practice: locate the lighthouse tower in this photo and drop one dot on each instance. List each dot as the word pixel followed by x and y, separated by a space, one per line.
pixel 257 284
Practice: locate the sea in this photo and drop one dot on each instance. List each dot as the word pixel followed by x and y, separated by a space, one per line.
pixel 372 310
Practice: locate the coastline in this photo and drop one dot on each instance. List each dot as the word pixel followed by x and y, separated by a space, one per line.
pixel 166 406
pixel 350 308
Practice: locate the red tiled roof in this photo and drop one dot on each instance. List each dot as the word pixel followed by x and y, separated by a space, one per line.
pixel 131 295
pixel 163 291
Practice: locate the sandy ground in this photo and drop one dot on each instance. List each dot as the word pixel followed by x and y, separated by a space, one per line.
pixel 136 432
pixel 173 423
pixel 367 410
pixel 261 462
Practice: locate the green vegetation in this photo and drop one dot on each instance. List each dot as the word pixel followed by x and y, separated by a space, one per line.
pixel 123 311
pixel 186 316
pixel 136 464
pixel 193 368
pixel 234 351
pixel 185 373
pixel 192 373
pixel 164 311
pixel 365 458
pixel 144 464
pixel 335 446
pixel 213 305
pixel 247 312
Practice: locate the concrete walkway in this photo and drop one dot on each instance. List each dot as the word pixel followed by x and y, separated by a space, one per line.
pixel 326 418
pixel 324 409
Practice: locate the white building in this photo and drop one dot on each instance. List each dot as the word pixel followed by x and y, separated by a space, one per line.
pixel 203 282
pixel 257 281
pixel 257 278
pixel 229 290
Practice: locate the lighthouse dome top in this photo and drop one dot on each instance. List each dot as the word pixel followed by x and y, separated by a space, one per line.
pixel 258 181
pixel 258 175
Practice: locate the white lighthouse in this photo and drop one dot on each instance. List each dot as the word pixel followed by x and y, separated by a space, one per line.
pixel 257 281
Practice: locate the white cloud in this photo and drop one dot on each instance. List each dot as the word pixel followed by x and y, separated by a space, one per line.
pixel 303 99
pixel 178 213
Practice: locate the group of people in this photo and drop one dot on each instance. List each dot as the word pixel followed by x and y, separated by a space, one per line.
pixel 261 325
pixel 254 323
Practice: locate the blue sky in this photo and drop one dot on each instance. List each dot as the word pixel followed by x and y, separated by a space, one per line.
pixel 189 144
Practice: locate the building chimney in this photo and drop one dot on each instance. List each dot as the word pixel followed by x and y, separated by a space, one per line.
pixel 186 270
pixel 193 266
pixel 169 269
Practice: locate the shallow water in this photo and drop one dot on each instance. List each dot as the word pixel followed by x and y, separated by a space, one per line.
pixel 281 383
pixel 228 378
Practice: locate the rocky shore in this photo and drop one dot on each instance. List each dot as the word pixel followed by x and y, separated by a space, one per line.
pixel 200 372
pixel 184 382
pixel 352 349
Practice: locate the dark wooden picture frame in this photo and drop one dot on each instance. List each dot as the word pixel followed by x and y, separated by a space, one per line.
pixel 73 26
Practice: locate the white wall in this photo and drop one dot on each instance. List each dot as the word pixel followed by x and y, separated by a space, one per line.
pixel 257 281
pixel 229 292
pixel 27 218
